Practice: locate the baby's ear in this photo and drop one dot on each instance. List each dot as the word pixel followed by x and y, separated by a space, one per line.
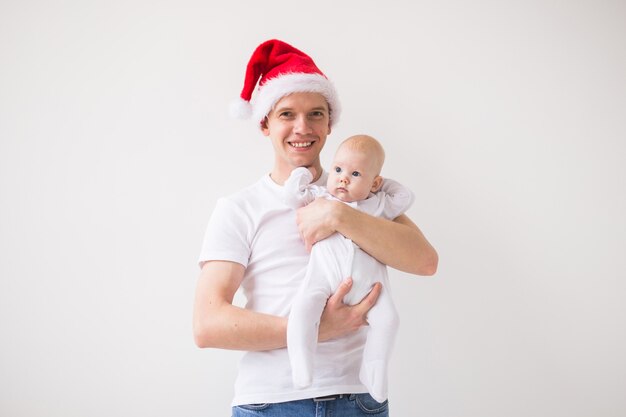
pixel 378 182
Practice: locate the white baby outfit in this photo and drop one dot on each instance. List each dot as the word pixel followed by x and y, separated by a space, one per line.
pixel 332 260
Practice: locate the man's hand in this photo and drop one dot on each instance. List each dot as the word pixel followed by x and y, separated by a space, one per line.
pixel 339 319
pixel 316 220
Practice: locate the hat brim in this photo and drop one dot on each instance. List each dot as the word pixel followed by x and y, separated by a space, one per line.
pixel 276 88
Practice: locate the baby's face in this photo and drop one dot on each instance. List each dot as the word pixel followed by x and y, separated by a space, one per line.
pixel 352 175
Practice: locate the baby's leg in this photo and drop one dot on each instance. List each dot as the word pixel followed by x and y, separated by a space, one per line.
pixel 383 326
pixel 325 265
pixel 302 332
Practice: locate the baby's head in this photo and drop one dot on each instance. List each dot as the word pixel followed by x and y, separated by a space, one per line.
pixel 356 169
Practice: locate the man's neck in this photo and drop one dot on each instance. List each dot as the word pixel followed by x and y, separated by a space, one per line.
pixel 279 176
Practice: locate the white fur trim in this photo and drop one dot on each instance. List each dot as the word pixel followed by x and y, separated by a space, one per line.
pixel 276 88
pixel 240 109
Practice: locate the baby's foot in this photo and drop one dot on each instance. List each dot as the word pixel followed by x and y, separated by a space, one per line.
pixel 301 379
pixel 374 376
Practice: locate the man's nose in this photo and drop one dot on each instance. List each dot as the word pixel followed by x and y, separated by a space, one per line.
pixel 301 125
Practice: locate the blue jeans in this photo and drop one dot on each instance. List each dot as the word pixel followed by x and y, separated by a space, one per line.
pixel 345 405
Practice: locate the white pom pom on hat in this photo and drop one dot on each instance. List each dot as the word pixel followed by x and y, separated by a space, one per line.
pixel 240 109
pixel 280 69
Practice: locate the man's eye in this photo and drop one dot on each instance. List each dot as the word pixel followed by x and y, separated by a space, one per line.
pixel 356 174
pixel 286 114
pixel 337 170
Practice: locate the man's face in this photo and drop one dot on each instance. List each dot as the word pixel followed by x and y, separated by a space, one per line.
pixel 298 126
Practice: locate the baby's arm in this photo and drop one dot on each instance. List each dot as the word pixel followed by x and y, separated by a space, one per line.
pixel 394 198
pixel 297 191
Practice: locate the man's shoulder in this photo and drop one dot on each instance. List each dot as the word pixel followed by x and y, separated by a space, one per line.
pixel 253 194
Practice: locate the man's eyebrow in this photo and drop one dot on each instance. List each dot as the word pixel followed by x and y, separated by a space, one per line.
pixel 282 108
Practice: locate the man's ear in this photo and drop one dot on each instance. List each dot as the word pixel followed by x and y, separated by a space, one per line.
pixel 378 182
pixel 264 128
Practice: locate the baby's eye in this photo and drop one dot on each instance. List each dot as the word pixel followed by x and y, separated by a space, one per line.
pixel 337 170
pixel 356 174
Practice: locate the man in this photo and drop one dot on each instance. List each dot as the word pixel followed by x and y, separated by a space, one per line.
pixel 254 241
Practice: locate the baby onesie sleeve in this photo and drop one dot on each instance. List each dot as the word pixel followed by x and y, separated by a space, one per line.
pixel 396 198
pixel 298 190
pixel 392 200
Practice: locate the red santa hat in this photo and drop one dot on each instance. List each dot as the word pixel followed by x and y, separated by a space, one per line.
pixel 280 70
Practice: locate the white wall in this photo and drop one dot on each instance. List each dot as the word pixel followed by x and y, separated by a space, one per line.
pixel 506 117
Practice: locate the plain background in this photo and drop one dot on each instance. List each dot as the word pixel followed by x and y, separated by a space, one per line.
pixel 507 118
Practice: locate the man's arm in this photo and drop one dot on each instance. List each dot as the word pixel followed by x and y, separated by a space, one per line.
pixel 218 323
pixel 398 243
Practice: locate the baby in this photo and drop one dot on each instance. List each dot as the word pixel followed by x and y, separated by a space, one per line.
pixel 355 180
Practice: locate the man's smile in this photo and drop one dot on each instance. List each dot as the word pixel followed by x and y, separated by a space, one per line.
pixel 300 145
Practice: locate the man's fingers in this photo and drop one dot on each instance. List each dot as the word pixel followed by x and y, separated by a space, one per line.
pixel 370 299
pixel 342 290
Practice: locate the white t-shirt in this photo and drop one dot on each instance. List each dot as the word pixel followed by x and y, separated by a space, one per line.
pixel 256 229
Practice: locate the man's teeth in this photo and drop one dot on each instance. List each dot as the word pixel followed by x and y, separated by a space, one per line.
pixel 301 144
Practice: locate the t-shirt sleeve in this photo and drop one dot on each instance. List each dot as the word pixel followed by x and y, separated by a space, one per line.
pixel 226 236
